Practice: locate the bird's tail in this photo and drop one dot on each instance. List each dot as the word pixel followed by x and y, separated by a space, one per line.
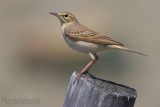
pixel 127 49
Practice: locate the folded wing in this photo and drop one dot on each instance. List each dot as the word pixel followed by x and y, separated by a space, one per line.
pixel 83 33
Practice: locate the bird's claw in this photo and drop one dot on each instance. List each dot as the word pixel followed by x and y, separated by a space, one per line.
pixel 84 75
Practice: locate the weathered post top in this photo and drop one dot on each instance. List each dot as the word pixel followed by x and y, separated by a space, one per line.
pixel 94 92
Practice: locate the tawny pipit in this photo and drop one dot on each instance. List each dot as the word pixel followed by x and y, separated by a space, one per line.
pixel 83 39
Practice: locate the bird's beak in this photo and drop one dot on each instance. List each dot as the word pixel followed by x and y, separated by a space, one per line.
pixel 52 13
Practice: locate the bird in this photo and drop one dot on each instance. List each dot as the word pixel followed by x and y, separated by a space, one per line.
pixel 83 39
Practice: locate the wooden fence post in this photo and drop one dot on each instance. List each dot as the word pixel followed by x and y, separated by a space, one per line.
pixel 94 92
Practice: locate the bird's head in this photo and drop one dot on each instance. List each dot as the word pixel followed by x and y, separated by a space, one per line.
pixel 65 17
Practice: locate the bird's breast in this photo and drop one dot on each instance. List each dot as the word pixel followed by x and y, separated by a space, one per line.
pixel 82 46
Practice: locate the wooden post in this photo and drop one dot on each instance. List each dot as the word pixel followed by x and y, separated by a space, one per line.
pixel 94 92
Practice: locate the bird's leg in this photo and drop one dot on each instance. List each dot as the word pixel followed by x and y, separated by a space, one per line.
pixel 94 58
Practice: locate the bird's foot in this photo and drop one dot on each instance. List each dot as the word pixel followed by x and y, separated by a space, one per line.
pixel 78 76
pixel 84 75
pixel 90 75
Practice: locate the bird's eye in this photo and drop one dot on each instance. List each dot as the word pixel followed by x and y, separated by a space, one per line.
pixel 66 15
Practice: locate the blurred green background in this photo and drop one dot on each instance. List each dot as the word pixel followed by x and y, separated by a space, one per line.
pixel 36 62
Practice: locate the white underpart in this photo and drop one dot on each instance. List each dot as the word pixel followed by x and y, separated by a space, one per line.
pixel 82 45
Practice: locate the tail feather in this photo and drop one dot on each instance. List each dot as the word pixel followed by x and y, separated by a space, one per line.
pixel 127 49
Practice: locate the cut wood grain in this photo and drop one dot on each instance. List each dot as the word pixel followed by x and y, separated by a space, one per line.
pixel 94 92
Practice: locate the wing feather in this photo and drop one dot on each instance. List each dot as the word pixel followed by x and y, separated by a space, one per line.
pixel 82 33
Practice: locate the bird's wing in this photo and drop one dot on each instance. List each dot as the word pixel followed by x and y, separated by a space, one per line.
pixel 83 33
